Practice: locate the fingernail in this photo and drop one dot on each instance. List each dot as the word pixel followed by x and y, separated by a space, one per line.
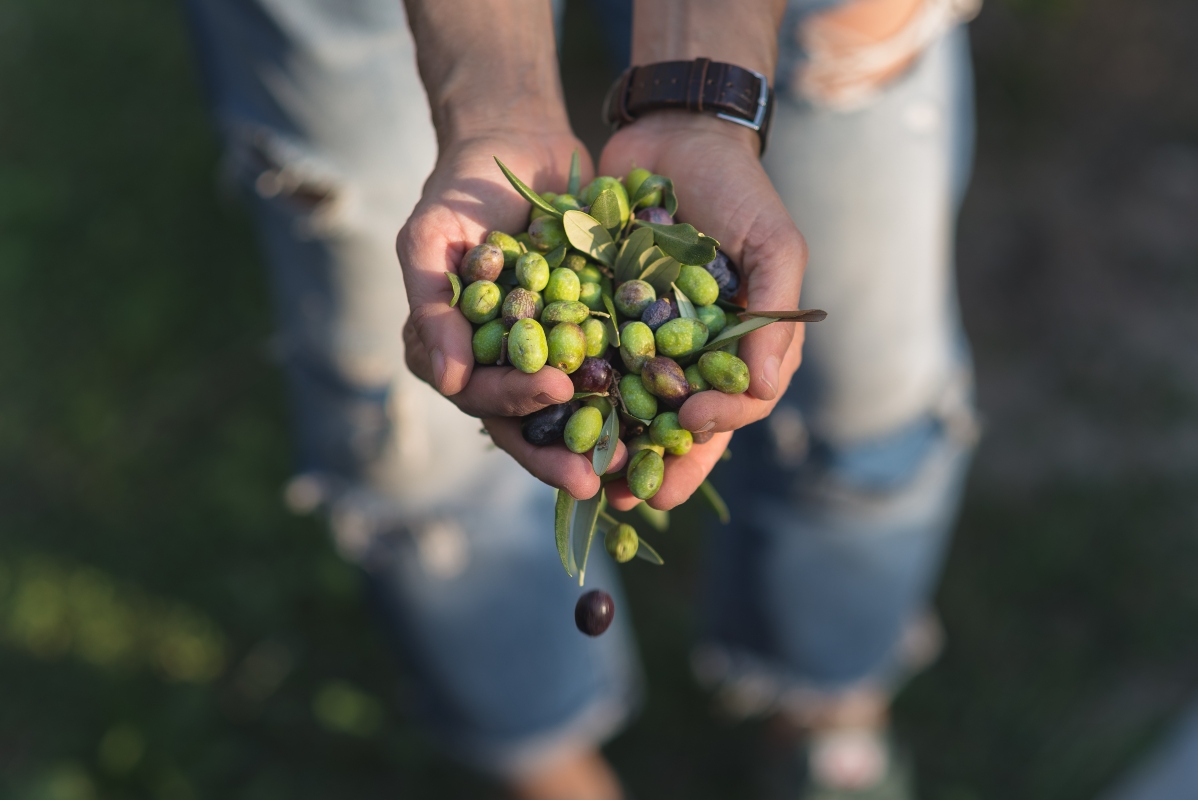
pixel 438 359
pixel 769 376
pixel 545 399
pixel 706 426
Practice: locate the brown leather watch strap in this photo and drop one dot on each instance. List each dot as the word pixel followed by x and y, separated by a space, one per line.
pixel 730 92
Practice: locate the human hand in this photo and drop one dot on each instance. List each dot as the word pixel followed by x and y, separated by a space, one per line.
pixel 723 191
pixel 465 198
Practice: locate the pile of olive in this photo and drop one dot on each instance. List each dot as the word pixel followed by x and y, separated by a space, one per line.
pixel 640 312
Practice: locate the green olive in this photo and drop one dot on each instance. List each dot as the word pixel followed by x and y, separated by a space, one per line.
pixel 488 342
pixel 508 244
pixel 695 379
pixel 564 311
pixel 596 333
pixel 532 271
pixel 583 429
pixel 591 296
pixel 602 404
pixel 527 349
pixel 637 399
pixel 547 233
pixel 643 442
pixel 646 470
pixel 680 337
pixel 621 543
pixel 590 274
pixel 724 371
pixel 567 347
pixel 713 317
pixel 637 345
pixel 563 286
pixel 480 302
pixel 666 432
pixel 697 284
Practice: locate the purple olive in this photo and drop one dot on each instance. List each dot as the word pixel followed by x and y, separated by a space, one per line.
pixel 725 274
pixel 482 263
pixel 658 313
pixel 594 612
pixel 547 425
pixel 594 375
pixel 665 380
pixel 519 304
pixel 656 215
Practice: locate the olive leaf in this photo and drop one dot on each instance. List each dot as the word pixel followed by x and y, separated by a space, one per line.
pixel 728 305
pixel 456 283
pixel 715 501
pixel 588 235
pixel 802 315
pixel 729 335
pixel 613 330
pixel 637 242
pixel 661 274
pixel 555 257
pixel 645 550
pixel 645 259
pixel 686 309
pixel 575 182
pixel 561 529
pixel 585 395
pixel 606 209
pixel 586 516
pixel 682 242
pixel 605 448
pixel 669 200
pixel 525 192
pixel 658 519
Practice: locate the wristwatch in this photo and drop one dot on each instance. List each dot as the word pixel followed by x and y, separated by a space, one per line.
pixel 732 93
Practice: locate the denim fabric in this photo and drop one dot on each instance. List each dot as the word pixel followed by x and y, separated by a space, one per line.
pixel 843 500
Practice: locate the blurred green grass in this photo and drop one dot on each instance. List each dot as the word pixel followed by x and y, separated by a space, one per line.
pixel 168 632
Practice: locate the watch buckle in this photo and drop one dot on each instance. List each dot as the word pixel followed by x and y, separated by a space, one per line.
pixel 762 101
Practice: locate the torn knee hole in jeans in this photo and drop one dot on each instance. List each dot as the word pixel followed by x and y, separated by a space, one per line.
pixel 854 51
pixel 282 171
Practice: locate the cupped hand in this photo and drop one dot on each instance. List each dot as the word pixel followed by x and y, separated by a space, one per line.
pixel 464 198
pixel 723 191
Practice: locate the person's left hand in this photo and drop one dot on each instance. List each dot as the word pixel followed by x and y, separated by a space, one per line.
pixel 724 192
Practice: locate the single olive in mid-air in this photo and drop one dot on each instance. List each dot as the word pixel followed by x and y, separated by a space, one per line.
pixel 594 612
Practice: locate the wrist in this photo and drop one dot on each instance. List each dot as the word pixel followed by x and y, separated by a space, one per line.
pixel 743 33
pixel 671 127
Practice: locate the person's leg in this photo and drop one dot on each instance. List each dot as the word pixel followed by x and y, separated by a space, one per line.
pixel 325 123
pixel 844 498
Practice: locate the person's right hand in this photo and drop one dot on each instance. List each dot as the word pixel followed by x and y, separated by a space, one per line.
pixel 465 198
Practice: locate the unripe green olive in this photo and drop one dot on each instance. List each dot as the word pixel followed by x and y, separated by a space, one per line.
pixel 508 244
pixel 563 286
pixel 633 297
pixel 643 442
pixel 567 346
pixel 724 372
pixel 666 432
pixel 480 301
pixel 487 342
pixel 596 333
pixel 589 273
pixel 698 285
pixel 636 346
pixel 566 202
pixel 646 470
pixel 583 429
pixel 622 543
pixel 695 379
pixel 637 399
pixel 680 337
pixel 564 311
pixel 713 317
pixel 527 349
pixel 532 271
pixel 591 296
pixel 547 233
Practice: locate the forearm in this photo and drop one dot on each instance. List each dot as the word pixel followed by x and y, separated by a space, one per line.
pixel 488 64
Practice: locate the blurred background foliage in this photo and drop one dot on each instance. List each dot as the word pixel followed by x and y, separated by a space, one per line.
pixel 167 631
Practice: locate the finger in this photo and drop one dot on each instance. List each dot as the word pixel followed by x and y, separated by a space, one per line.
pixel 508 392
pixel 715 411
pixel 685 473
pixel 774 281
pixel 619 497
pixel 552 464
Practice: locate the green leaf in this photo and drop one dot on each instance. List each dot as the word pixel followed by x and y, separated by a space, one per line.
pixel 527 193
pixel 606 209
pixel 728 305
pixel 669 200
pixel 715 501
pixel 456 283
pixel 638 242
pixel 555 257
pixel 686 309
pixel 561 529
pixel 661 274
pixel 586 516
pixel 645 551
pixel 729 335
pixel 613 330
pixel 802 315
pixel 646 258
pixel 588 235
pixel 605 448
pixel 682 242
pixel 575 182
pixel 585 395
pixel 658 519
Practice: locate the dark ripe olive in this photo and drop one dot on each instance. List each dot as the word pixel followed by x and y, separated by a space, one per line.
pixel 594 612
pixel 725 274
pixel 657 215
pixel 519 304
pixel 658 313
pixel 482 263
pixel 549 424
pixel 594 375
pixel 665 380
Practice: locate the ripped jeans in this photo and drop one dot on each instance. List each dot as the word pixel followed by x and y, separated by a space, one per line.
pixel 843 499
